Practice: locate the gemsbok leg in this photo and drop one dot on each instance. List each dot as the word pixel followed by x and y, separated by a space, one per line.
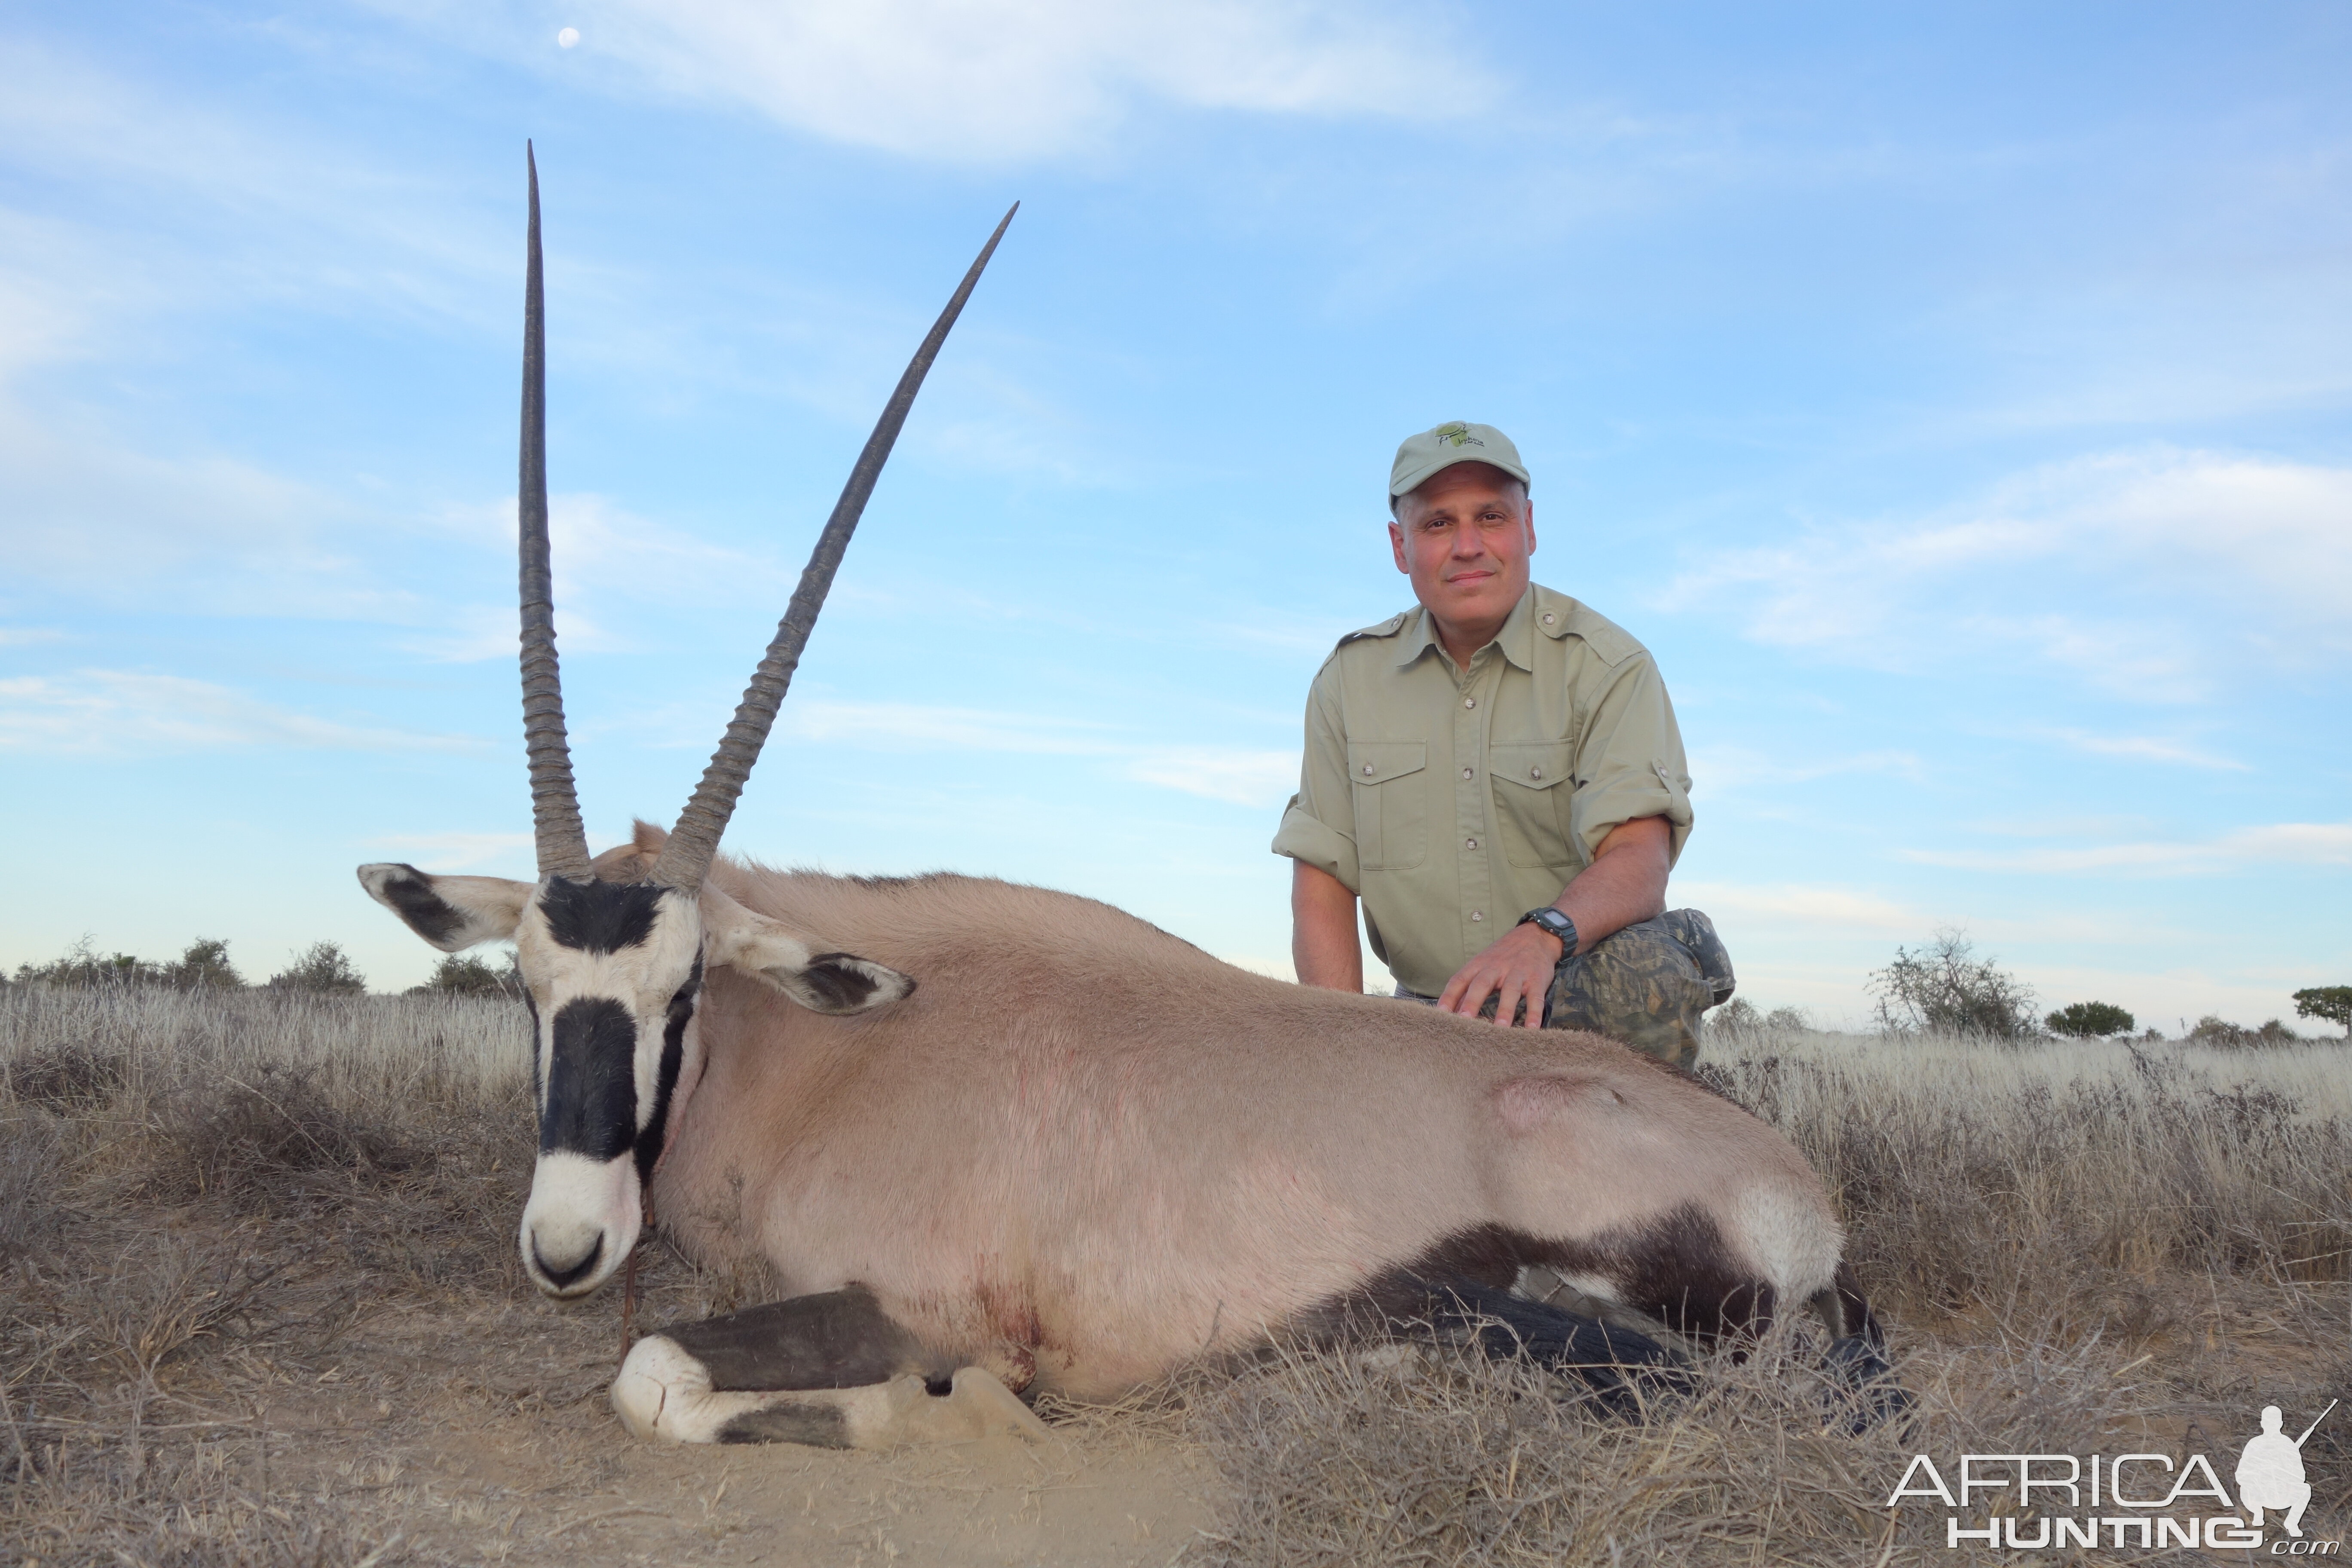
pixel 1622 1367
pixel 1857 1354
pixel 832 1370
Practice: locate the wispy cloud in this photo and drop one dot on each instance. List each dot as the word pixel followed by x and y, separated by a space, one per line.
pixel 2204 559
pixel 2145 748
pixel 453 851
pixel 113 711
pixel 1808 905
pixel 984 81
pixel 1235 774
pixel 2282 842
pixel 1725 768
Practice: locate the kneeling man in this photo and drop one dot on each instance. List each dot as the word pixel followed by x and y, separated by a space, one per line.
pixel 1497 774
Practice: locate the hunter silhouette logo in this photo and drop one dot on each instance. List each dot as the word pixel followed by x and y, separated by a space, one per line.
pixel 2147 1501
pixel 1457 435
pixel 2270 1472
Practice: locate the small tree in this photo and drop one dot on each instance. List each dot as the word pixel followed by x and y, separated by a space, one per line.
pixel 2330 1003
pixel 321 967
pixel 2091 1020
pixel 457 976
pixel 204 966
pixel 1945 988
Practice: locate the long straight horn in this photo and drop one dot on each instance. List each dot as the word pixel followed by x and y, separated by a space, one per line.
pixel 554 803
pixel 687 856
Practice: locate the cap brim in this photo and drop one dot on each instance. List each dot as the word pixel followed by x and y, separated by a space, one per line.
pixel 1414 479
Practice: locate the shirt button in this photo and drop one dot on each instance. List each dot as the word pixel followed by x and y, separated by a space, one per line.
pixel 1470 843
pixel 1469 702
pixel 1477 916
pixel 1466 772
pixel 1548 617
pixel 1532 772
pixel 1368 767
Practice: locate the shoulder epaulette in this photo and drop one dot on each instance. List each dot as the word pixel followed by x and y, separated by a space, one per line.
pixel 1387 628
pixel 1604 637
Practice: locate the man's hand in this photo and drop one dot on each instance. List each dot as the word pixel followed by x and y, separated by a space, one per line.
pixel 1514 970
pixel 1626 882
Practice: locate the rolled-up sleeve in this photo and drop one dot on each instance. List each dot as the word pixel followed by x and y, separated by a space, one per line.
pixel 1629 762
pixel 1318 826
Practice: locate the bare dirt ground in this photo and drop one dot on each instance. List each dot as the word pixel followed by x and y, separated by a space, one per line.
pixel 259 1303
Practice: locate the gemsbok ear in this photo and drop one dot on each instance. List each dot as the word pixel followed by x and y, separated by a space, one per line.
pixel 451 912
pixel 777 955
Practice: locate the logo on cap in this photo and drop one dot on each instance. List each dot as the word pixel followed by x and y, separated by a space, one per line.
pixel 1456 434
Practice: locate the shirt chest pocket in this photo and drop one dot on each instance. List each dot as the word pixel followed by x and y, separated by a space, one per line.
pixel 1532 791
pixel 1392 791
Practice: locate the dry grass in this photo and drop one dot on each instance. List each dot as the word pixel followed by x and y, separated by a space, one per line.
pixel 210 1205
pixel 2073 1242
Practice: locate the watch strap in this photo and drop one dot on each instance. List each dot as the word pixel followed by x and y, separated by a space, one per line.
pixel 1559 924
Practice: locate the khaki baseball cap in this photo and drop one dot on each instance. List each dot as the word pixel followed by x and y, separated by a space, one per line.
pixel 1453 442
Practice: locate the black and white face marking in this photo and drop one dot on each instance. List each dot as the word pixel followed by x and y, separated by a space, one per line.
pixel 614 970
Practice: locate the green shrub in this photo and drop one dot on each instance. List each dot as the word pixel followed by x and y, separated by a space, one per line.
pixel 321 967
pixel 2091 1020
pixel 461 976
pixel 2213 1031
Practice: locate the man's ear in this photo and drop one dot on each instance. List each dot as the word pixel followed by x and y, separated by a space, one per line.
pixel 772 952
pixel 1396 543
pixel 451 912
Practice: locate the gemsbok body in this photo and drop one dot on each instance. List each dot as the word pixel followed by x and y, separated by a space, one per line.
pixel 995 1140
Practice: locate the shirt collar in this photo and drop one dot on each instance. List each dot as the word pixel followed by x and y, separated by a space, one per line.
pixel 1515 640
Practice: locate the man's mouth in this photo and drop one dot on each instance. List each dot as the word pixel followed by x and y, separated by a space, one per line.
pixel 1468 579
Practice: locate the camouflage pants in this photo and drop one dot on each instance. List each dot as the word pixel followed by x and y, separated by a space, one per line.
pixel 1645 986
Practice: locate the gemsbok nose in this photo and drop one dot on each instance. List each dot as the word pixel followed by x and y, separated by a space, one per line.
pixel 560 1276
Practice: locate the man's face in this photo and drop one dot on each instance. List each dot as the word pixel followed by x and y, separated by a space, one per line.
pixel 1463 538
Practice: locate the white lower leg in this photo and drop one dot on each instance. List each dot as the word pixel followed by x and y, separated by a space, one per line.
pixel 665 1394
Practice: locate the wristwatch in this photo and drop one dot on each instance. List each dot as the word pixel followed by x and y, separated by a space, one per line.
pixel 1559 924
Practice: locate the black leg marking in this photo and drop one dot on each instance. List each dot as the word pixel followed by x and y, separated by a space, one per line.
pixel 1621 1368
pixel 1675 1269
pixel 817 1425
pixel 599 916
pixel 591 1084
pixel 429 914
pixel 841 1339
pixel 1867 1394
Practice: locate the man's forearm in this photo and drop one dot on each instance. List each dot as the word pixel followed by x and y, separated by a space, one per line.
pixel 1323 948
pixel 1626 883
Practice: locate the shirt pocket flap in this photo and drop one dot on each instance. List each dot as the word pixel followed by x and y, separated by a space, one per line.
pixel 1531 764
pixel 1377 761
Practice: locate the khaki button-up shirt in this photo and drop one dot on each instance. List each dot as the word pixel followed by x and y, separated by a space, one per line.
pixel 1454 801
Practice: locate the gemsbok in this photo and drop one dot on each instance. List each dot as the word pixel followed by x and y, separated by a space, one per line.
pixel 1083 1153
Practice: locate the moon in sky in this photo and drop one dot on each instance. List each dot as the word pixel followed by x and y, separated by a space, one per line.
pixel 566 38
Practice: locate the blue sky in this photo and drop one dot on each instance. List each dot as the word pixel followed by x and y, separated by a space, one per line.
pixel 1958 405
